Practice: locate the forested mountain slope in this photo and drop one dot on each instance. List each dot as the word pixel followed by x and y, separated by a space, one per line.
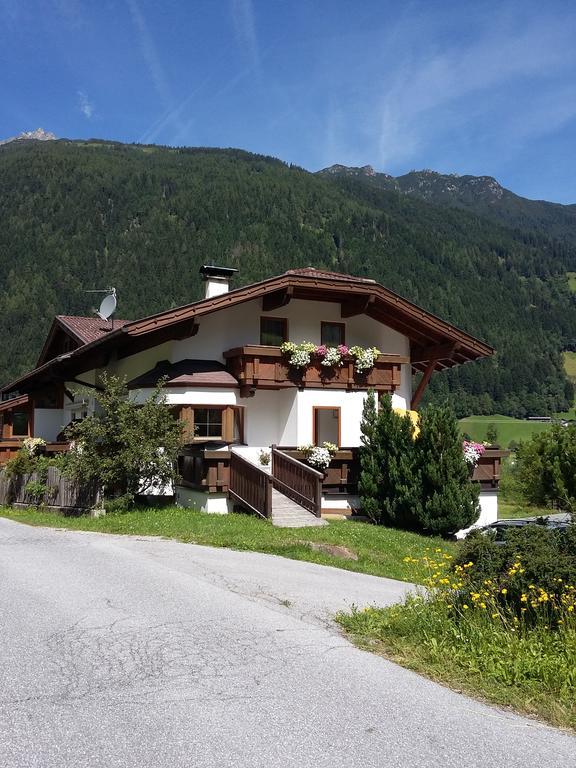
pixel 81 215
pixel 478 194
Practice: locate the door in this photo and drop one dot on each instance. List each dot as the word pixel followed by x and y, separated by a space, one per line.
pixel 326 425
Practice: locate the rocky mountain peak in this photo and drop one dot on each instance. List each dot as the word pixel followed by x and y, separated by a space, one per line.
pixel 38 135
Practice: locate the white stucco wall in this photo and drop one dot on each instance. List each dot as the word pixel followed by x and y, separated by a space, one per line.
pixel 240 325
pixel 488 512
pixel 192 396
pixel 141 362
pixel 49 422
pixel 214 503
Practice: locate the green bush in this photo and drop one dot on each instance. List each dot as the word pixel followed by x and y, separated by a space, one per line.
pixel 22 463
pixel 533 559
pixel 547 468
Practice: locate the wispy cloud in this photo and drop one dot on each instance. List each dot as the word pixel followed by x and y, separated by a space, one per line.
pixel 154 64
pixel 244 20
pixel 85 105
pixel 446 87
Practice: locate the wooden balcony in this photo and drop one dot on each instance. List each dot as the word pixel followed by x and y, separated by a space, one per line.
pixel 487 471
pixel 260 367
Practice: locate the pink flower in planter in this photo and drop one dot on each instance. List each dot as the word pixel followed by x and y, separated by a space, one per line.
pixel 321 350
pixel 343 349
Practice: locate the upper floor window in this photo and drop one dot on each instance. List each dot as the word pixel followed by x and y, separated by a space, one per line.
pixel 333 334
pixel 273 331
pixel 20 423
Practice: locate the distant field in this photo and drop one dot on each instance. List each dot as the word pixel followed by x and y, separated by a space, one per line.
pixel 571 281
pixel 508 428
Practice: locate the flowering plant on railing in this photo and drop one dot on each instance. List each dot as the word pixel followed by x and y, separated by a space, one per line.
pixel 472 452
pixel 364 358
pixel 319 456
pixel 32 445
pixel 331 357
pixel 299 354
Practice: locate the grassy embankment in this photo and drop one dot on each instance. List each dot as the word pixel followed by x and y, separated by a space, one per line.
pixel 380 551
pixel 474 642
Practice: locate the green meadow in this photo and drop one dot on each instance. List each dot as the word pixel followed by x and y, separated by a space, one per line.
pixel 508 428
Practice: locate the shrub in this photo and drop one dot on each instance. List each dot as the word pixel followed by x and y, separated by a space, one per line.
pixel 533 562
pixel 125 447
pixel 448 497
pixel 547 468
pixel 22 463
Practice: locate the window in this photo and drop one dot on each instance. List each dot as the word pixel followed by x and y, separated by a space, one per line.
pixel 333 334
pixel 208 422
pixel 224 423
pixel 326 423
pixel 20 423
pixel 273 331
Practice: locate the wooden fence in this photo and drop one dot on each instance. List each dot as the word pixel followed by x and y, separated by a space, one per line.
pixel 60 492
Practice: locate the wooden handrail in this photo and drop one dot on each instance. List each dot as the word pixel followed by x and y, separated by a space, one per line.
pixel 298 481
pixel 292 460
pixel 250 485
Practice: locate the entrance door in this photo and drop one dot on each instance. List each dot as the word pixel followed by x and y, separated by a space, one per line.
pixel 326 425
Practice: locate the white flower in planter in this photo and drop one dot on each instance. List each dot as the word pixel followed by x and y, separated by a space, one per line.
pixel 319 456
pixel 364 359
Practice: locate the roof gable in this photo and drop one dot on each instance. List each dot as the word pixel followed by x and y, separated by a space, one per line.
pixel 69 332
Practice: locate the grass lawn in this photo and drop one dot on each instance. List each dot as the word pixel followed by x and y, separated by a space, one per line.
pixel 380 551
pixel 511 508
pixel 508 428
pixel 571 281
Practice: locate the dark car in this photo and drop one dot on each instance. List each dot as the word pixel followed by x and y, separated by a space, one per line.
pixel 499 529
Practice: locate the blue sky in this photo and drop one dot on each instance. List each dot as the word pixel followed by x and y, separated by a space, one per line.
pixel 460 87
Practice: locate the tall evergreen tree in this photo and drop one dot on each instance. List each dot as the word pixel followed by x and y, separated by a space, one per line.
pixel 370 469
pixel 449 499
pixel 389 486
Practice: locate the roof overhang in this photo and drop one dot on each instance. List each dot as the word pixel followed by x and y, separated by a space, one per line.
pixel 431 338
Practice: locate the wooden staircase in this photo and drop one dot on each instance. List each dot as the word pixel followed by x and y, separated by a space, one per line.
pixel 288 514
pixel 290 497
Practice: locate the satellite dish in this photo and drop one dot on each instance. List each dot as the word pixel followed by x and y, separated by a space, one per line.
pixel 108 306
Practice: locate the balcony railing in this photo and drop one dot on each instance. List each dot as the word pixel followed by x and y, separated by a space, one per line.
pixel 487 471
pixel 267 368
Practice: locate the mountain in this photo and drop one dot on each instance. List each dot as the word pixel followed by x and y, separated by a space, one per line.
pixel 79 215
pixel 482 195
pixel 38 135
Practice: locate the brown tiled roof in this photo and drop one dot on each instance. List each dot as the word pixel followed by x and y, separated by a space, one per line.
pixel 322 273
pixel 186 373
pixel 87 329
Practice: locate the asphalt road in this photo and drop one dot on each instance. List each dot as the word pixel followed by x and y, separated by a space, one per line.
pixel 126 651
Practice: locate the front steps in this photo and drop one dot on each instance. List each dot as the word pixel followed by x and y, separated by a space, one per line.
pixel 288 514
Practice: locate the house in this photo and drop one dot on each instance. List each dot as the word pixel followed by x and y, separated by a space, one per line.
pixel 236 391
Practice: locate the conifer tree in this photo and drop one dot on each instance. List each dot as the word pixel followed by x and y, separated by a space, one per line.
pixel 449 499
pixel 389 486
pixel 370 472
